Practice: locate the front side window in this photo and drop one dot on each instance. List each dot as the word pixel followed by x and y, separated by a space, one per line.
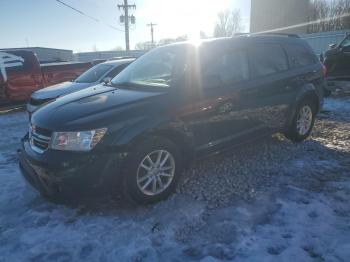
pixel 300 56
pixel 268 59
pixel 158 68
pixel 228 67
pixel 94 74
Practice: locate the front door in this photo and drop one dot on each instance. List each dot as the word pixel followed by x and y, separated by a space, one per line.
pixel 217 114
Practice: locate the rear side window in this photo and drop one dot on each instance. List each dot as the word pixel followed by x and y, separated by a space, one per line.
pixel 299 55
pixel 268 59
pixel 93 74
pixel 15 62
pixel 116 70
pixel 229 67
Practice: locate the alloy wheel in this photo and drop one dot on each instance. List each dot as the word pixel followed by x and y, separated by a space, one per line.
pixel 155 172
pixel 304 120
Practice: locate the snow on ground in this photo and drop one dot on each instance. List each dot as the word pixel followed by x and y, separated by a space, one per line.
pixel 270 200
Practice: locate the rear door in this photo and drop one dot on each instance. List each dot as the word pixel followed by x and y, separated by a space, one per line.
pixel 268 96
pixel 305 67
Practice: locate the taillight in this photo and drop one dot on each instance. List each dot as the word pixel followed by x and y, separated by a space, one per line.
pixel 324 70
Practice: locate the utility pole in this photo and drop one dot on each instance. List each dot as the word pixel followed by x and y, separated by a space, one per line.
pixel 151 25
pixel 125 19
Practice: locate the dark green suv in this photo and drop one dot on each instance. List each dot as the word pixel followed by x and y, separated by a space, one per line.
pixel 174 104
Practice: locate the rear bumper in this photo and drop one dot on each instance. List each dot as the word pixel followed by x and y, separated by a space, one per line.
pixel 62 174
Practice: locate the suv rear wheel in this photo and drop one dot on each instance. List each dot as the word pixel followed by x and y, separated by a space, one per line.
pixel 303 122
pixel 152 172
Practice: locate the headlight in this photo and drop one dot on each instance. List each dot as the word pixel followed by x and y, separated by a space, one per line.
pixel 77 141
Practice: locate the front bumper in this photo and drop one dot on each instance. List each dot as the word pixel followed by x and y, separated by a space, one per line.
pixel 59 174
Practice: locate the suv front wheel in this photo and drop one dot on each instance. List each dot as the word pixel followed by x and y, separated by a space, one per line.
pixel 152 172
pixel 302 122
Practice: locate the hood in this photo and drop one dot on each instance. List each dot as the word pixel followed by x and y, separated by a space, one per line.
pixel 94 107
pixel 58 90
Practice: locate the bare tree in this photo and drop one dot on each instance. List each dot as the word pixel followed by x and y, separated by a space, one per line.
pixel 325 15
pixel 228 23
pixel 143 45
pixel 166 41
pixel 149 45
pixel 117 48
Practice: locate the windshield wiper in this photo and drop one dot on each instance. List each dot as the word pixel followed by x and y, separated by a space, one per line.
pixel 109 84
pixel 123 84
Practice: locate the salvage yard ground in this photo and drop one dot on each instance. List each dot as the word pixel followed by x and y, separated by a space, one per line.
pixel 270 200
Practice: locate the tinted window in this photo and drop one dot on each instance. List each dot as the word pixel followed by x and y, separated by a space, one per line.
pixel 268 59
pixel 16 62
pixel 300 56
pixel 93 74
pixel 228 68
pixel 115 71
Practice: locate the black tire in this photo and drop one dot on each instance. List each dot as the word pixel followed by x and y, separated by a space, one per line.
pixel 131 189
pixel 292 133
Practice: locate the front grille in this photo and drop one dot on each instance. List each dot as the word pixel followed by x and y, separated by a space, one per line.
pixel 39 138
pixel 42 131
pixel 39 102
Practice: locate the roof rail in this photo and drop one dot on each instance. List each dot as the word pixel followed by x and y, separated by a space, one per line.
pixel 278 34
pixel 267 34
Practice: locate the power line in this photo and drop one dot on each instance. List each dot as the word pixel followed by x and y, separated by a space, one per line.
pixel 89 16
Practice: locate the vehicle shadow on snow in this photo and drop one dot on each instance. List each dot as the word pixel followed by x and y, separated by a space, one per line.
pixel 245 199
pixel 242 173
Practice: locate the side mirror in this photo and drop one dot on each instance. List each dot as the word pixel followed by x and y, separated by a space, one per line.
pixel 107 79
pixel 332 46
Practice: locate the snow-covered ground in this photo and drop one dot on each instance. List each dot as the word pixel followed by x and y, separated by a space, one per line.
pixel 270 200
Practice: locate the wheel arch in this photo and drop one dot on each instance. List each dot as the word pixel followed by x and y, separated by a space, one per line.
pixel 175 131
pixel 307 92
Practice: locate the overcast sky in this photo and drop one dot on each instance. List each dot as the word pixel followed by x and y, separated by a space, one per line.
pixel 47 23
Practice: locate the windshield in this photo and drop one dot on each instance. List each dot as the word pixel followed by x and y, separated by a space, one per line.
pixel 94 74
pixel 156 68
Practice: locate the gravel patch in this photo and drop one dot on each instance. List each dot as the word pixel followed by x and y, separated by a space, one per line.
pixel 269 200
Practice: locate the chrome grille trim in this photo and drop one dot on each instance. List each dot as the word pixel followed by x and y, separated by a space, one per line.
pixel 39 143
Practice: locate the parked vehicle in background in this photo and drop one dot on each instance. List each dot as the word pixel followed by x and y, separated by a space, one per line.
pixel 337 62
pixel 103 72
pixel 174 104
pixel 21 74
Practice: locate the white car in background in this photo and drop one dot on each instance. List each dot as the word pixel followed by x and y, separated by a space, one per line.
pixel 100 73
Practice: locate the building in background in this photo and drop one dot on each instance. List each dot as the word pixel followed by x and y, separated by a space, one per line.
pixel 282 16
pixel 105 55
pixel 49 55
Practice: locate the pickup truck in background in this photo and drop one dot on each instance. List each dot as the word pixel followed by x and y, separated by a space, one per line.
pixel 21 74
pixel 337 61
